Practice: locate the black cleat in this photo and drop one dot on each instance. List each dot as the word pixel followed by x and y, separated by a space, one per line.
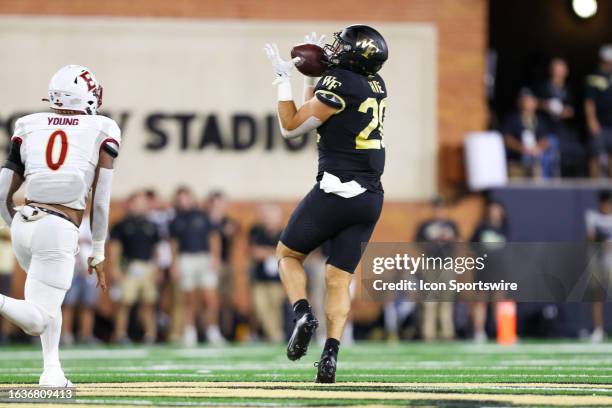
pixel 304 328
pixel 326 369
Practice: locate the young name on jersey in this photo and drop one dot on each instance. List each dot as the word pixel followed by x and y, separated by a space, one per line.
pixel 59 155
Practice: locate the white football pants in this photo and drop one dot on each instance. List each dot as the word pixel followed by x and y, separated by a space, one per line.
pixel 45 248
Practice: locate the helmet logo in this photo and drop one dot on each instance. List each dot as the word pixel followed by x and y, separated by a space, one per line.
pixel 367 44
pixel 91 84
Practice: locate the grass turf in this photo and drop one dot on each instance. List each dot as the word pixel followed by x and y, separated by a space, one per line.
pixel 445 374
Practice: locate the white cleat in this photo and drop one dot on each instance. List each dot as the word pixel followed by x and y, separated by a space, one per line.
pixel 214 336
pixel 480 337
pixel 190 337
pixel 598 335
pixel 54 379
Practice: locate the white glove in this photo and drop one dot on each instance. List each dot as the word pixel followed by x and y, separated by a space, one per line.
pixel 281 68
pixel 319 41
pixel 312 39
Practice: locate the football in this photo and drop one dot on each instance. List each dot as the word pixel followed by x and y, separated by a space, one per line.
pixel 313 61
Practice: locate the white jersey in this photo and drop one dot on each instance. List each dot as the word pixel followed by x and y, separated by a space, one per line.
pixel 60 154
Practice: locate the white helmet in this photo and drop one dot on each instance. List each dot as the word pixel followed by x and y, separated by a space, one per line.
pixel 75 88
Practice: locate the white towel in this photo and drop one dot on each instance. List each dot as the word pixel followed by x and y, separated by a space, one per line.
pixel 30 213
pixel 332 184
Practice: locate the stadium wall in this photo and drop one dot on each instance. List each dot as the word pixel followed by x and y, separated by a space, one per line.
pixel 462 41
pixel 202 114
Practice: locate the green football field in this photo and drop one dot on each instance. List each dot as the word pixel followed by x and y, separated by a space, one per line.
pixel 370 374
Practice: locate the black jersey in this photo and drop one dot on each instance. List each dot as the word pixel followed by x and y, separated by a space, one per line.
pixel 350 142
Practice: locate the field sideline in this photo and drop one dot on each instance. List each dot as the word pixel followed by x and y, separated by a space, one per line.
pixel 445 374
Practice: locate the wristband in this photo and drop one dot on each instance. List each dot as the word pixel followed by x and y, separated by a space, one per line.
pixel 97 252
pixel 285 92
pixel 310 81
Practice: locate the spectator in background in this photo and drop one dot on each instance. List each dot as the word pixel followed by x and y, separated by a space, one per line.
pixel 196 250
pixel 555 101
pixel 491 232
pixel 169 311
pixel 228 228
pixel 598 112
pixel 442 231
pixel 525 138
pixel 7 267
pixel 268 294
pixel 161 216
pixel 132 259
pixel 599 231
pixel 83 293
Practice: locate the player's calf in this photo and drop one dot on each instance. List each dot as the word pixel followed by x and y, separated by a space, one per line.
pixel 337 300
pixel 292 274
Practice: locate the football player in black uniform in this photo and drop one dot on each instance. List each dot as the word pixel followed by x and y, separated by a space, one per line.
pixel 347 107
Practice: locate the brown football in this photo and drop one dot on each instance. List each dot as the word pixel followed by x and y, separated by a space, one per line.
pixel 312 59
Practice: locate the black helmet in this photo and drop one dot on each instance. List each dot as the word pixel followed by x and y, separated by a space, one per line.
pixel 358 48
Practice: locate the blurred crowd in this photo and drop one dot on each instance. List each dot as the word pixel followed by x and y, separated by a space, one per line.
pixel 546 137
pixel 172 275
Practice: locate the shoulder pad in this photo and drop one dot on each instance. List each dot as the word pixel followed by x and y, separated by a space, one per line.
pixel 21 125
pixel 110 129
pixel 110 135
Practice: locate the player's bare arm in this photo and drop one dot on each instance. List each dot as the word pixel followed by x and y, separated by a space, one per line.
pixel 292 118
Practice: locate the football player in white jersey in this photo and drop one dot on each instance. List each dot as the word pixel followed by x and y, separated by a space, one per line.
pixel 62 156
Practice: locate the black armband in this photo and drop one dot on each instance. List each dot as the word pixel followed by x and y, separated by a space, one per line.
pixel 13 160
pixel 111 149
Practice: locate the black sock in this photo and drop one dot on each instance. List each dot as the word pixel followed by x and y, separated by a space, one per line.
pixel 300 308
pixel 331 346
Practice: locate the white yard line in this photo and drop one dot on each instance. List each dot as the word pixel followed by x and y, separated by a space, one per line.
pixel 78 354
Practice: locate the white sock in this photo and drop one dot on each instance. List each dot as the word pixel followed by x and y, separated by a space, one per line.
pixel 50 340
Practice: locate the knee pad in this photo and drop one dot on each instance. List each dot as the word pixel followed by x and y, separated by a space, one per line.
pixel 47 299
pixel 39 324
